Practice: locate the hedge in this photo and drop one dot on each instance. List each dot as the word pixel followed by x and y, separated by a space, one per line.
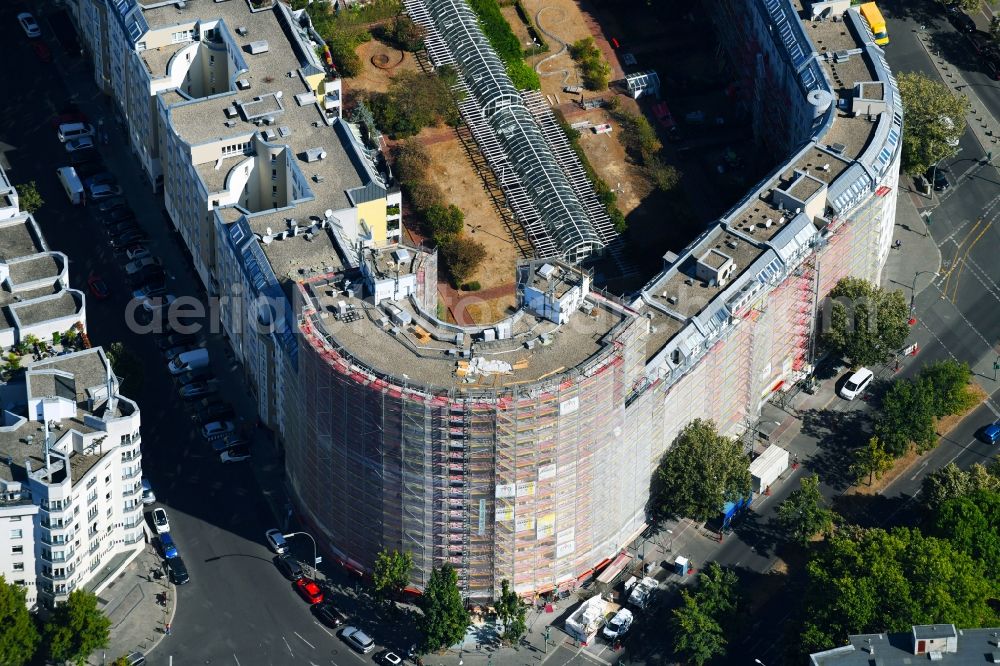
pixel 506 44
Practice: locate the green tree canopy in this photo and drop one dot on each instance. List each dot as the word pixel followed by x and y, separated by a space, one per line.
pixel 127 365
pixel 391 573
pixel 906 415
pixel 700 473
pixel 444 618
pixel 462 255
pixel 596 71
pixel 872 461
pixel 76 628
pixel 512 611
pixel 28 198
pixel 865 323
pixel 414 100
pixel 972 525
pixel 444 222
pixel 869 580
pixel 804 513
pixel 948 381
pixel 406 34
pixel 18 635
pixel 935 119
pixel 697 636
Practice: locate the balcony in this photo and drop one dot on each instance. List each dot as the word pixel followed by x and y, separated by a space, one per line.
pixel 135 507
pixel 63 524
pixel 63 574
pixel 137 488
pixel 59 558
pixel 131 474
pixel 127 525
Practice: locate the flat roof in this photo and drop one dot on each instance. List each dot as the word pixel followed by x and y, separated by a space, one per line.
pixel 36 267
pixel 411 351
pixel 296 257
pixel 156 60
pixel 975 646
pixel 66 303
pixel 19 237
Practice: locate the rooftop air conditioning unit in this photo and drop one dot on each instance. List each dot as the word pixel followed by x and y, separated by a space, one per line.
pixel 258 47
pixel 243 84
pixel 231 111
pixel 241 30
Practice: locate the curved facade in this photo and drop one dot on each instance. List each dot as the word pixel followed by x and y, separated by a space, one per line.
pixel 524 450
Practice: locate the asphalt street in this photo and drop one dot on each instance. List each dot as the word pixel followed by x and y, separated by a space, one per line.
pixel 237 609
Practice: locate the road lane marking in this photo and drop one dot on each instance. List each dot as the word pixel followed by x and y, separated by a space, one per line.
pixel 237 660
pixel 288 646
pixel 965 254
pixel 958 253
pixel 919 470
pixel 329 633
pixel 304 640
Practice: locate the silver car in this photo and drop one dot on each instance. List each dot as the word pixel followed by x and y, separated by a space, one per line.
pixel 358 639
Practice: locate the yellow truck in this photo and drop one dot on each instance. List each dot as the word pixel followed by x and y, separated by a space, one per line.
pixel 871 14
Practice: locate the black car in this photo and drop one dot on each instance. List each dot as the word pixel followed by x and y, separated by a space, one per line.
pixel 130 238
pixel 209 410
pixel 178 572
pixel 108 205
pixel 940 179
pixel 229 442
pixel 191 376
pixel 962 21
pixel 85 156
pixel 146 276
pixel 991 63
pixel 289 567
pixel 329 615
pixel 117 214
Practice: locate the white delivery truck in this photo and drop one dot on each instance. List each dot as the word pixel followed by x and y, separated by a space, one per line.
pixel 71 183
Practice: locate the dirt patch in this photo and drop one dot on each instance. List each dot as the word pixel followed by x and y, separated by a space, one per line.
pixel 517 25
pixel 381 63
pixel 452 171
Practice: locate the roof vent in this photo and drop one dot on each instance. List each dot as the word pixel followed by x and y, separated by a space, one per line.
pixel 230 111
pixel 305 98
pixel 284 131
pixel 243 84
pixel 230 123
pixel 267 135
pixel 838 148
pixel 258 47
pixel 315 154
pixel 241 30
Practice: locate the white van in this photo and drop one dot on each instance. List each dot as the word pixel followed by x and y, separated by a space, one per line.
pixel 71 184
pixel 856 384
pixel 75 131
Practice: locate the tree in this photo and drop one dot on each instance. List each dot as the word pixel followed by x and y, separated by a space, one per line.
pixel 872 460
pixel 697 635
pixel 462 256
pixel 445 618
pixel 868 580
pixel 444 222
pixel 512 613
pixel 391 573
pixel 803 514
pixel 972 525
pixel 935 120
pixel 414 101
pixel 951 482
pixel 18 635
pixel 906 415
pixel 700 473
pixel 596 72
pixel 28 198
pixel 948 381
pixel 406 34
pixel 864 322
pixel 717 592
pixel 76 628
pixel 127 365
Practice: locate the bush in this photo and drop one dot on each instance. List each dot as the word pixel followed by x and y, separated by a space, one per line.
pixel 414 101
pixel 342 46
pixel 472 286
pixel 425 196
pixel 596 72
pixel 605 194
pixel 947 381
pixel 444 222
pixel 403 33
pixel 462 256
pixel 505 43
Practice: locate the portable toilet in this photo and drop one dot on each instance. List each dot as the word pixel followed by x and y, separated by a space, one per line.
pixel 681 565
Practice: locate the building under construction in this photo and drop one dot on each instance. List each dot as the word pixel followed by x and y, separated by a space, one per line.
pixel 523 450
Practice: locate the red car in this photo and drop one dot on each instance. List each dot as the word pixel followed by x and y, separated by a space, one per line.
pixel 98 287
pixel 70 114
pixel 309 590
pixel 42 51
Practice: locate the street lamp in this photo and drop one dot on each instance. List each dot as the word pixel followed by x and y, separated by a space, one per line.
pixel 913 286
pixel 758 661
pixel 670 546
pixel 315 558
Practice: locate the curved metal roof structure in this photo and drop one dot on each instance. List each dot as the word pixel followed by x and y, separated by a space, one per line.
pixel 504 109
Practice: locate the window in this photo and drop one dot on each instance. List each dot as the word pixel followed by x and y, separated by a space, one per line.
pixel 18 566
pixel 14 519
pixel 274 174
pixel 211 60
pixel 107 479
pixel 140 46
pixel 17 550
pixel 16 534
pixel 274 190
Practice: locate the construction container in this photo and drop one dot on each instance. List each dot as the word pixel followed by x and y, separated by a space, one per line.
pixel 766 469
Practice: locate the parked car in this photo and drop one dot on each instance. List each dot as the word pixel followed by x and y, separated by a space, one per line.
pixel 173 352
pixel 100 178
pixel 158 303
pixel 167 546
pixel 98 192
pixel 289 567
pixel 276 540
pixel 98 287
pixel 130 238
pixel 133 267
pixel 82 143
pixel 358 639
pixel 160 520
pixel 940 179
pixel 991 433
pixel 178 572
pixel 135 659
pixel 175 339
pixel 958 18
pixel 329 614
pixel 217 429
pixel 856 384
pixel 67 115
pixel 235 454
pixel 197 390
pixel 214 411
pixel 112 204
pixel 89 156
pixel 29 25
pixel 387 658
pixel 116 215
pixel 619 625
pixel 42 51
pixel 199 375
pixel 227 443
pixel 137 252
pixel 125 226
pixel 153 274
pixel 309 590
pixel 151 290
pixel 148 496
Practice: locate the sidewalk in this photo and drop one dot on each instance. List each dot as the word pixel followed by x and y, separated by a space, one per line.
pixel 137 620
